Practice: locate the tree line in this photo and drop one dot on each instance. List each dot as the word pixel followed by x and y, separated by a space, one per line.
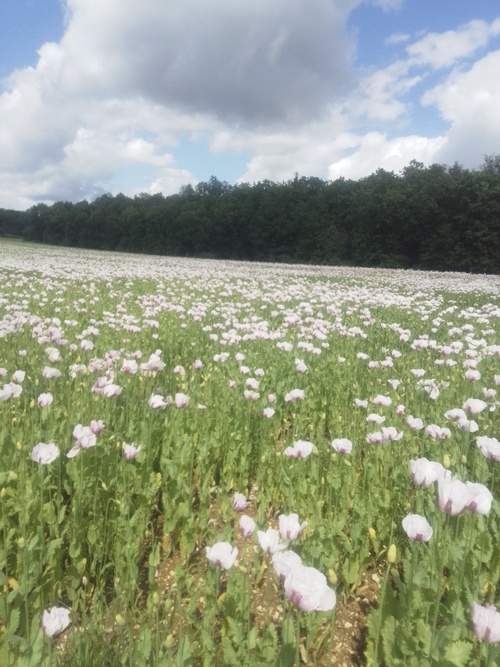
pixel 436 217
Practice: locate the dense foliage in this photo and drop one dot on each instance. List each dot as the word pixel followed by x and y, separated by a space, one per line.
pixel 436 217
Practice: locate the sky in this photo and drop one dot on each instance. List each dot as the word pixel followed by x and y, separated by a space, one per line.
pixel 145 96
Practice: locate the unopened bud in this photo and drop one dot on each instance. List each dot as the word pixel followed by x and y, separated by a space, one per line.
pixel 391 554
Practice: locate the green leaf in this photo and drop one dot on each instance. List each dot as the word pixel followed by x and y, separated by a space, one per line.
pixel 458 653
pixel 14 618
pixel 424 635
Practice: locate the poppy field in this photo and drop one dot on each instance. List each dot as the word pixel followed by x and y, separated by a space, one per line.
pixel 206 463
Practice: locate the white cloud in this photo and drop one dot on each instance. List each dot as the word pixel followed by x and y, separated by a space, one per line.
pixel 398 38
pixel 253 61
pixel 131 79
pixel 376 151
pixel 445 49
pixel 470 101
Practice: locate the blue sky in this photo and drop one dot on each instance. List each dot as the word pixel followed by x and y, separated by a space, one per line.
pixel 148 95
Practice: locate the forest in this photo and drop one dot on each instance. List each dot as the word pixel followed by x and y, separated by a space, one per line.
pixel 435 217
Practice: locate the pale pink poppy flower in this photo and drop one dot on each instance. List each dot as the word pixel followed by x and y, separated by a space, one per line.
pixel 373 364
pixel 44 454
pixel 269 541
pixel 496 379
pixel 472 375
pixel 455 415
pixel 468 426
pixel 489 447
pixel 55 621
pixel 437 432
pixel 259 372
pixel 153 364
pixel 244 370
pixel 391 433
pixel 51 373
pixel 400 410
pixel 418 372
pixel 252 383
pixel 424 472
pixel 453 496
pixel 375 419
pixel 246 526
pixel 289 526
pixel 97 426
pixel 3 372
pixel 99 384
pixel 284 562
pixel 342 445
pixel 53 354
pixel 130 366
pixel 486 622
pixel 239 356
pixel 360 403
pixel 240 502
pixel 301 450
pixel 382 400
pixel 111 390
pixel 222 554
pixel 231 384
pixel 294 395
pixel 197 365
pixel 181 400
pixel 271 398
pixel 376 438
pixel 474 406
pixel 268 413
pixel 251 395
pixel 417 528
pixel 86 345
pixel 414 423
pixel 131 451
pixel 179 370
pixel 85 438
pixel 395 354
pixel 44 400
pixel 489 393
pixel 156 402
pixel 394 383
pixel 307 588
pixel 18 376
pixel 300 366
pixel 480 498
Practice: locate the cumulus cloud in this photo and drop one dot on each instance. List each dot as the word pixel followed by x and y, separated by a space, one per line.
pixel 375 150
pixel 130 80
pixel 469 101
pixel 244 61
pixel 445 49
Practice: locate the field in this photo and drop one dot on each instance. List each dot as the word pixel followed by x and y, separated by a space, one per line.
pixel 356 412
